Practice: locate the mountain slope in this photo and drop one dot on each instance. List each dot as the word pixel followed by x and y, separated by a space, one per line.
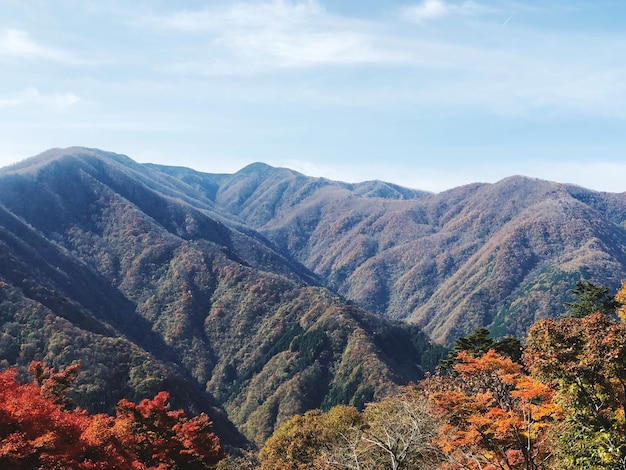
pixel 151 284
pixel 497 255
pixel 213 285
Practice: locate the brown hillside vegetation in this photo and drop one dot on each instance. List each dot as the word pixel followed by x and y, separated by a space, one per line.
pixel 498 255
pixel 246 296
pixel 152 288
pixel 558 406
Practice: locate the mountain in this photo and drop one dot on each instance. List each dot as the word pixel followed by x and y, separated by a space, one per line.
pixel 139 273
pixel 497 255
pixel 264 293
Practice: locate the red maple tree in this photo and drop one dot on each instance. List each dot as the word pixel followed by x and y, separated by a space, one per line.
pixel 40 430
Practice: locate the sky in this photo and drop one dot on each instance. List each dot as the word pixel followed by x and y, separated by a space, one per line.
pixel 428 94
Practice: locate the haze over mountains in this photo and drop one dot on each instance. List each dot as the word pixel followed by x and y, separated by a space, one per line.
pixel 265 293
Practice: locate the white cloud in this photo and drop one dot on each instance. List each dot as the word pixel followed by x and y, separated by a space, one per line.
pixel 32 95
pixel 17 43
pixel 263 15
pixel 271 35
pixel 435 9
pixel 428 9
pixel 508 71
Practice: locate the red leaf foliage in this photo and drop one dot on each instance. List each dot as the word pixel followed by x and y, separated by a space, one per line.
pixel 39 431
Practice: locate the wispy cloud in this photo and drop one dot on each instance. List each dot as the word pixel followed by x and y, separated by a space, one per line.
pixel 18 43
pixel 34 96
pixel 260 36
pixel 476 65
pixel 275 34
pixel 427 10
pixel 435 9
pixel 262 15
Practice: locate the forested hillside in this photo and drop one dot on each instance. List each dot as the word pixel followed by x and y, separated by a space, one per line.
pixel 148 285
pixel 263 294
pixel 555 403
pixel 498 255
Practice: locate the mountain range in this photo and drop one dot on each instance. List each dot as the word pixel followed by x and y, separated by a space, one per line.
pixel 264 293
pixel 497 255
pixel 152 286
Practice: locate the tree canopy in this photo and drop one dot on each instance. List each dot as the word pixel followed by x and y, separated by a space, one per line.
pixel 478 343
pixel 558 403
pixel 39 429
pixel 590 298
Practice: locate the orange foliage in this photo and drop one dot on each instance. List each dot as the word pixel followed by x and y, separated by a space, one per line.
pixel 37 431
pixel 495 416
pixel 585 359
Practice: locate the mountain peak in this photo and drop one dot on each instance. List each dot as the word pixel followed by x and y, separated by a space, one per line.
pixel 256 167
pixel 33 164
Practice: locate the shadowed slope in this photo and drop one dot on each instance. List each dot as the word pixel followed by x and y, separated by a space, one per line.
pixel 180 295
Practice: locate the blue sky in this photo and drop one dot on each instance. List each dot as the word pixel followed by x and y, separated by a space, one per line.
pixel 430 94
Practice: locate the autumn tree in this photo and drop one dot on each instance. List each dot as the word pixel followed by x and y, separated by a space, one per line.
pixel 478 343
pixel 305 441
pixel 395 432
pixel 495 416
pixel 161 438
pixel 344 428
pixel 399 433
pixel 39 429
pixel 295 444
pixel 585 358
pixel 54 385
pixel 37 432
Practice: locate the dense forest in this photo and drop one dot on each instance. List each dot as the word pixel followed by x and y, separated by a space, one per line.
pixel 146 284
pixel 267 303
pixel 554 401
pixel 558 405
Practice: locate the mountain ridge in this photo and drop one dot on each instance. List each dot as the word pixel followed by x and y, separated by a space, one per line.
pixel 343 234
pixel 264 293
pixel 169 292
pixel 368 250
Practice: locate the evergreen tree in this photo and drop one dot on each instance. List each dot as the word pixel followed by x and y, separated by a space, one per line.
pixel 590 298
